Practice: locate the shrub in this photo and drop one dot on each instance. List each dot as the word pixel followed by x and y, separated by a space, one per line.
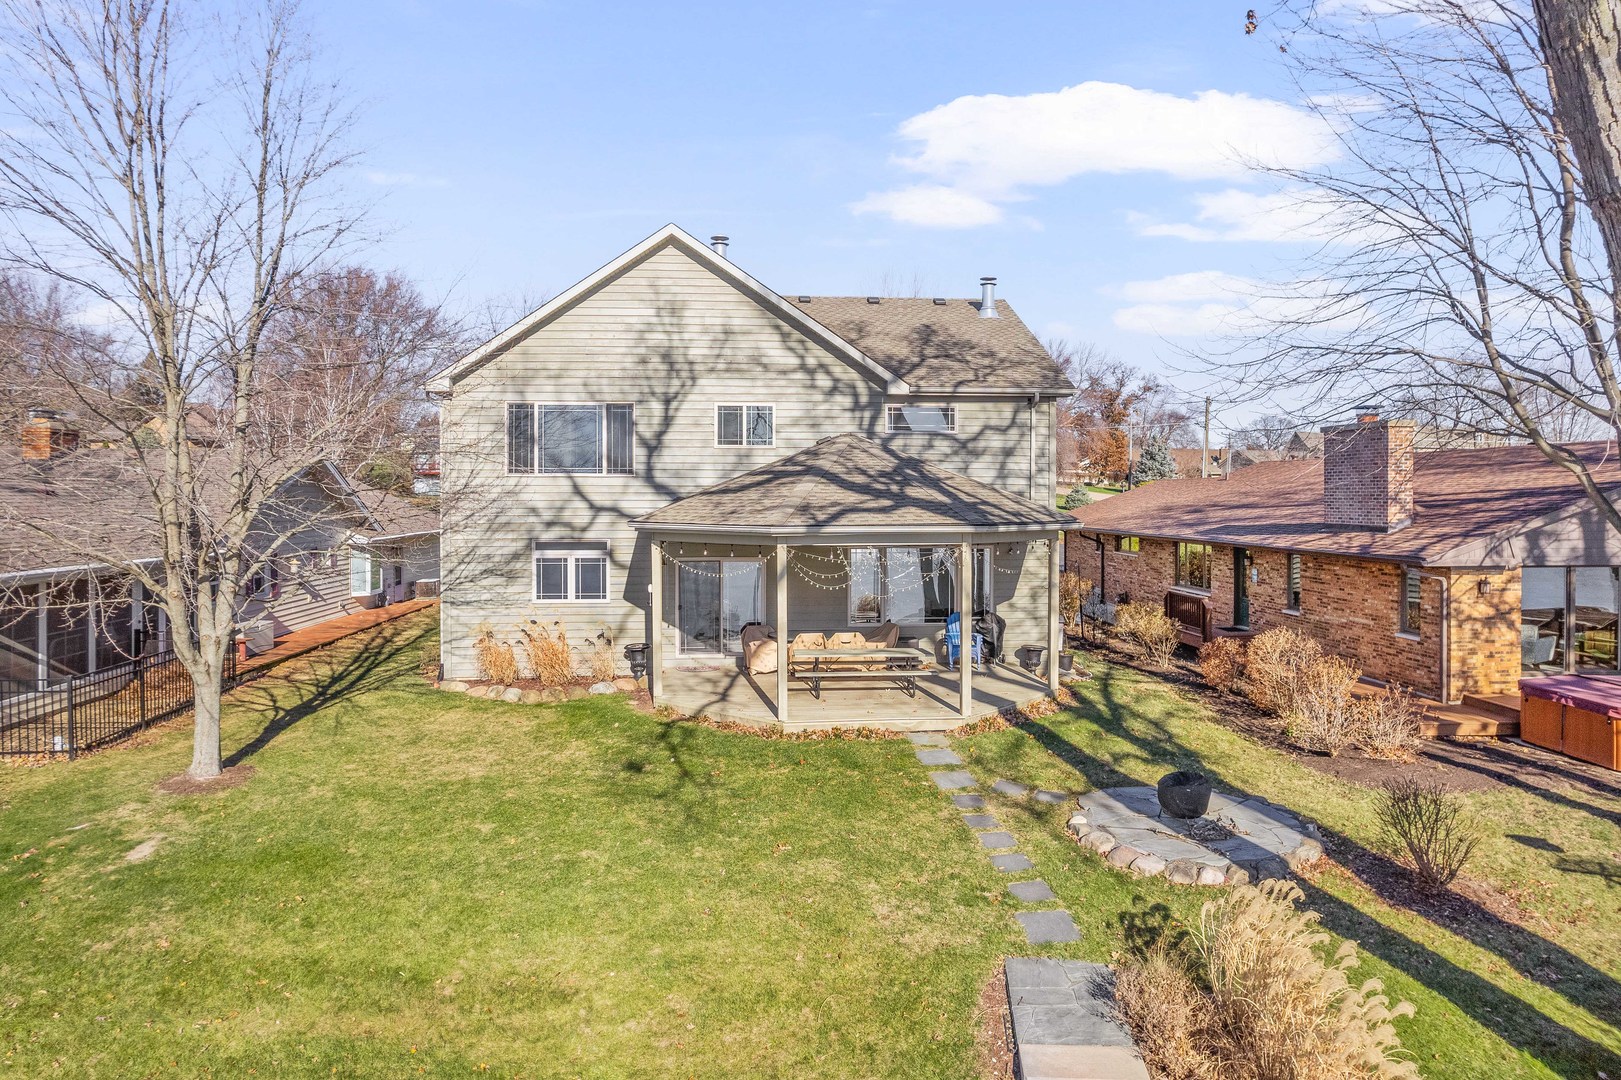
pixel 548 653
pixel 1323 714
pixel 1427 825
pixel 1076 497
pixel 1274 665
pixel 1249 994
pixel 1156 632
pixel 496 661
pixel 602 656
pixel 1072 591
pixel 1221 662
pixel 1387 724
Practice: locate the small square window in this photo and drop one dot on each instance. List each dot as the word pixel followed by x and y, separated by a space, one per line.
pixel 1193 565
pixel 571 570
pixel 1128 545
pixel 745 425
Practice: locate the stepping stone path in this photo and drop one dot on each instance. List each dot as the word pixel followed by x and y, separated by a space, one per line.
pixel 1063 1022
pixel 926 738
pixel 1126 826
pixel 1040 927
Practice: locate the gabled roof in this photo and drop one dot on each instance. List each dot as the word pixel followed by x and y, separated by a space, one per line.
pixel 670 235
pixel 847 482
pixel 1463 500
pixel 397 517
pixel 943 345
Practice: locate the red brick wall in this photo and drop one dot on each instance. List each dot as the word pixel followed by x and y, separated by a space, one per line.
pixel 1350 606
pixel 1368 473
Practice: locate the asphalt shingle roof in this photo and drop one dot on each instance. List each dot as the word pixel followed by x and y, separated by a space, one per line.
pixel 1460 496
pixel 850 482
pixel 941 346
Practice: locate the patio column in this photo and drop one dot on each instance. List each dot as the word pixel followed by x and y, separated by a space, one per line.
pixel 655 608
pixel 782 633
pixel 965 606
pixel 1055 619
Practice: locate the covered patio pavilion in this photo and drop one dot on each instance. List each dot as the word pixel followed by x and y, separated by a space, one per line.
pixel 845 536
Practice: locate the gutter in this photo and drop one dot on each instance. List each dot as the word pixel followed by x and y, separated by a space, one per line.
pixel 870 532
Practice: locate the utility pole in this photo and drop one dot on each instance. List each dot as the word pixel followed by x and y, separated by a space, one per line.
pixel 1204 460
pixel 1130 430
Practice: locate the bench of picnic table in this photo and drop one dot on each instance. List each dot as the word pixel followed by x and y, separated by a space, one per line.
pixel 904 678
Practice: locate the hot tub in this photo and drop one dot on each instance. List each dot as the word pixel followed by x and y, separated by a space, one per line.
pixel 1574 714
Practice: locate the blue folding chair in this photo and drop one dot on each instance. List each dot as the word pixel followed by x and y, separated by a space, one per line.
pixel 954 641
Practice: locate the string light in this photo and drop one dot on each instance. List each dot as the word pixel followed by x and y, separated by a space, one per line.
pixel 841 575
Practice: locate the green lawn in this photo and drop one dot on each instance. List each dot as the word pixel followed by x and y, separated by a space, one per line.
pixel 419 883
pixel 1496 997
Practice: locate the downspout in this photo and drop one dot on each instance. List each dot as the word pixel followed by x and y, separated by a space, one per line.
pixel 1446 619
pixel 1035 494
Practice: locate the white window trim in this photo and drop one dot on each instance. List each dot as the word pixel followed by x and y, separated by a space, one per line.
pixel 891 407
pixel 602 440
pixel 745 406
pixel 582 549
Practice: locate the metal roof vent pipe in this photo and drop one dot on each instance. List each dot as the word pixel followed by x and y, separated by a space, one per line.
pixel 987 298
pixel 719 244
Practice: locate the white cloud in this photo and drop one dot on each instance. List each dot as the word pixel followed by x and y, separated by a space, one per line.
pixel 1235 214
pixel 989 148
pixel 931 205
pixel 1214 303
pixel 405 179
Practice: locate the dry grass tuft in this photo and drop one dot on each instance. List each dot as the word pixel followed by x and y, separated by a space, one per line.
pixel 1154 631
pixel 1221 662
pixel 1249 995
pixel 548 653
pixel 602 656
pixel 497 663
pixel 1073 590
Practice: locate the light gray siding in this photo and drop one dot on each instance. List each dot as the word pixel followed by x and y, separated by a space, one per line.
pixel 1005 441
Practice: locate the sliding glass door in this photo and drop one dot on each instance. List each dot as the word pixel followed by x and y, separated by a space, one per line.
pixel 715 599
pixel 1568 618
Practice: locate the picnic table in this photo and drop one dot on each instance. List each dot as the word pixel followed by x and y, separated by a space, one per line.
pixel 901 666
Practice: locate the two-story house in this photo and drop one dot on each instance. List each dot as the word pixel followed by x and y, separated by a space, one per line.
pixel 669 451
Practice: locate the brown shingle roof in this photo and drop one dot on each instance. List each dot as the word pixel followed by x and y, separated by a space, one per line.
pixel 1460 496
pixel 850 482
pixel 398 516
pixel 945 346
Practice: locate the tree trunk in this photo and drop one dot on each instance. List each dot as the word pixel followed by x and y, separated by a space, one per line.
pixel 205 752
pixel 1581 41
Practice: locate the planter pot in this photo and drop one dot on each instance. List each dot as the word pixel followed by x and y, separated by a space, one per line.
pixel 636 655
pixel 1184 794
pixel 1066 662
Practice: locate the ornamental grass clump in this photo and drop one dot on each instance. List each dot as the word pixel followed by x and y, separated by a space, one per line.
pixel 1073 590
pixel 496 661
pixel 1323 712
pixel 1275 664
pixel 1428 826
pixel 602 656
pixel 1248 994
pixel 1221 662
pixel 549 655
pixel 1155 632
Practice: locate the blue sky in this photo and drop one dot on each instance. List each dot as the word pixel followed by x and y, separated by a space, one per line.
pixel 514 147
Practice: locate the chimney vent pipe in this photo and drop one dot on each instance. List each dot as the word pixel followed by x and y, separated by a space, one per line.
pixel 719 244
pixel 987 298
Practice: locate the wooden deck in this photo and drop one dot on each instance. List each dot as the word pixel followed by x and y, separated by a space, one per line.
pixel 325 633
pixel 722 691
pixel 1485 718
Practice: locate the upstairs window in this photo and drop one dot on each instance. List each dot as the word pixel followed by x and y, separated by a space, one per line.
pixel 1412 601
pixel 931 418
pixel 1193 565
pixel 571 571
pixel 745 425
pixel 1291 589
pixel 571 439
pixel 1128 545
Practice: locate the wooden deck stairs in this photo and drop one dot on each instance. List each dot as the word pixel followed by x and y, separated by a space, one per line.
pixel 1477 716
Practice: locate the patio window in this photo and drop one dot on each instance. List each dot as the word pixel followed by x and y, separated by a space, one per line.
pixel 365 572
pixel 901 585
pixel 745 425
pixel 571 439
pixel 571 570
pixel 1412 601
pixel 921 418
pixel 1291 599
pixel 1193 565
pixel 1568 617
pixel 1128 545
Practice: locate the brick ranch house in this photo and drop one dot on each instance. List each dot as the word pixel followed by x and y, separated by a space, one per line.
pixel 1454 572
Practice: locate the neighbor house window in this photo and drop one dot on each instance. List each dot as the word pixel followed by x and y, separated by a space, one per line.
pixel 901 585
pixel 1193 565
pixel 1292 586
pixel 571 438
pixel 1128 545
pixel 571 570
pixel 921 418
pixel 1412 602
pixel 365 572
pixel 745 425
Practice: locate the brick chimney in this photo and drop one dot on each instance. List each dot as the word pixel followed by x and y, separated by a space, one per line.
pixel 1368 473
pixel 45 435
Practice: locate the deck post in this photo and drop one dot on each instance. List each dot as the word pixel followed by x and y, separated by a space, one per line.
pixel 1055 618
pixel 781 566
pixel 965 607
pixel 655 609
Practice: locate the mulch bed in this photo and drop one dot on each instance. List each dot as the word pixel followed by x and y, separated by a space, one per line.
pixel 993 1030
pixel 181 784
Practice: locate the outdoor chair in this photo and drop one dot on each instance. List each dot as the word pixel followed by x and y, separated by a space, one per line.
pixel 954 642
pixel 804 641
pixel 759 649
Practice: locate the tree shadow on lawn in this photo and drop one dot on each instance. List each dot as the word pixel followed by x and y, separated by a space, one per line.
pixel 1533 956
pixel 1502 768
pixel 293 691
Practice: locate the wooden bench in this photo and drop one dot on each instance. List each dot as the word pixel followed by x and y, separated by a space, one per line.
pixel 904 678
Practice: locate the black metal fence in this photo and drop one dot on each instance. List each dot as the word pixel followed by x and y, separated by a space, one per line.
pixel 84 712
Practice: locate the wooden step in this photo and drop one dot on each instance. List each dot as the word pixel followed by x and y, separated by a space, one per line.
pixel 1479 728
pixel 1502 706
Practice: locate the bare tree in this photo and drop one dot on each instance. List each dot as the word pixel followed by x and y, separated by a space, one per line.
pixel 1465 283
pixel 1263 433
pixel 183 175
